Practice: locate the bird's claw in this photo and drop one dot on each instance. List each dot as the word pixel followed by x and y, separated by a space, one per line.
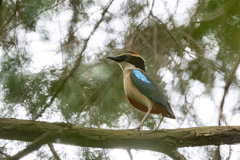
pixel 155 130
pixel 138 128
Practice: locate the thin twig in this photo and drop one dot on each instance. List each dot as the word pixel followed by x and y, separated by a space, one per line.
pixel 50 145
pixel 13 14
pixel 173 153
pixel 228 82
pixel 77 62
pixel 153 2
pixel 129 153
pixel 230 153
pixel 210 64
pixel 2 149
pixel 169 32
pixel 87 102
pixel 220 11
pixel 135 36
pixel 217 155
pixel 185 116
pixel 101 91
pixel 191 39
pixel 34 16
pixel 37 143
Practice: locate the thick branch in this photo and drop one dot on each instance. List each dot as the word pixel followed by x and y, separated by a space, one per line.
pixel 25 130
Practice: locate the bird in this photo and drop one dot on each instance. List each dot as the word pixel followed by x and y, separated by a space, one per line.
pixel 141 90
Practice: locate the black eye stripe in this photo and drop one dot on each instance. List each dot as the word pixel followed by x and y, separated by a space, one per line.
pixel 136 61
pixel 127 58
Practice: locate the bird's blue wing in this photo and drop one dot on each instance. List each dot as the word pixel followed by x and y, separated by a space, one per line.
pixel 149 88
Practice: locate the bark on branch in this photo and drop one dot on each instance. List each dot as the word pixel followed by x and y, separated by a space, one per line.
pixel 160 141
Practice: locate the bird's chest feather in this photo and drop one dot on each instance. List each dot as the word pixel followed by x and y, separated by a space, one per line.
pixel 138 100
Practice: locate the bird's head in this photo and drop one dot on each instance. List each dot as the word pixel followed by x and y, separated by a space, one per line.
pixel 130 58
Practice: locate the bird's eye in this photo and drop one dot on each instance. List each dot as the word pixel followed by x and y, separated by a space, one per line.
pixel 127 57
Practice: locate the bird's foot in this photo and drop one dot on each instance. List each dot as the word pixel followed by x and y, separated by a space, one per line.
pixel 155 130
pixel 138 128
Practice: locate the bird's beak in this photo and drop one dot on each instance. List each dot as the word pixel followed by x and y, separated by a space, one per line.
pixel 117 58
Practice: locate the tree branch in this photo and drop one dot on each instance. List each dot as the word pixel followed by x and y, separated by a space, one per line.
pixel 130 154
pixel 37 143
pixel 191 39
pixel 77 62
pixel 12 15
pixel 165 141
pixel 101 90
pixel 27 19
pixel 50 145
pixel 169 32
pixel 227 85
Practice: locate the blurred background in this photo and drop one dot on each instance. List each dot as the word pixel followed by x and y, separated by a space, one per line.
pixel 53 67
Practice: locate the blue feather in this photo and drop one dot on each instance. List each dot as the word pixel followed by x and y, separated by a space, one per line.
pixel 146 85
pixel 140 76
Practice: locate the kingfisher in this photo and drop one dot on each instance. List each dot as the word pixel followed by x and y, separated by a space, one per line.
pixel 141 90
